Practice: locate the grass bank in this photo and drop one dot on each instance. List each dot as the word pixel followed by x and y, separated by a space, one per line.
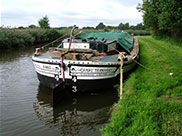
pixel 152 101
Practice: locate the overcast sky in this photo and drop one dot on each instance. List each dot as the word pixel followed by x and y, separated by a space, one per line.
pixel 16 13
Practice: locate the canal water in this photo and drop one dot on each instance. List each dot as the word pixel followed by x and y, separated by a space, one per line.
pixel 28 108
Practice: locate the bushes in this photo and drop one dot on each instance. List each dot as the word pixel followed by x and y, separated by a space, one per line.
pixel 44 35
pixel 10 38
pixel 15 38
pixel 27 37
pixel 106 29
pixel 139 32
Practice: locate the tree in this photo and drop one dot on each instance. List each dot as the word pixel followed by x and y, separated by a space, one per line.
pixel 162 17
pixel 140 26
pixel 100 26
pixel 44 22
pixel 32 26
pixel 121 26
pixel 132 27
pixel 21 27
pixel 125 26
pixel 112 27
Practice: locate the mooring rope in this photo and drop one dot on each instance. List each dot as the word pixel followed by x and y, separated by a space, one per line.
pixel 147 68
pixel 60 38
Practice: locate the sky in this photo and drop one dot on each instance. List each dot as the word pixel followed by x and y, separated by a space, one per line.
pixel 15 13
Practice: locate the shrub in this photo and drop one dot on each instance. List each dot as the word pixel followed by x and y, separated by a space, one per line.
pixel 25 37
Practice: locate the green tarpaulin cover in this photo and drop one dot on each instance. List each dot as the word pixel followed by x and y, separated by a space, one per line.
pixel 122 38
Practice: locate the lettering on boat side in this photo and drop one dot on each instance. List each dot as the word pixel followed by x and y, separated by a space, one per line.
pixel 91 71
pixel 37 65
pixel 58 75
pixel 74 78
pixel 46 67
pixel 74 89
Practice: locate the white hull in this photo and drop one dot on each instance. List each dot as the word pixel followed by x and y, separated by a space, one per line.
pixel 82 70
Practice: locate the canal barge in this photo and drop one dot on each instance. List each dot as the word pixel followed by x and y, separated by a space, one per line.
pixel 82 61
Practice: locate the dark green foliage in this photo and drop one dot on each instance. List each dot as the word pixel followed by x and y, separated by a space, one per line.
pixel 139 26
pixel 50 34
pixel 138 32
pixel 106 29
pixel 163 18
pixel 21 27
pixel 88 27
pixel 152 100
pixel 127 26
pixel 32 26
pixel 15 38
pixel 111 27
pixel 100 26
pixel 123 26
pixel 44 35
pixel 44 22
pixel 27 37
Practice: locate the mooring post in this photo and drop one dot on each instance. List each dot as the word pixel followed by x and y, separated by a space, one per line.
pixel 121 78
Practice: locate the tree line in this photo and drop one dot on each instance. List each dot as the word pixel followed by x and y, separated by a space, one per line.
pixel 121 26
pixel 162 17
pixel 44 23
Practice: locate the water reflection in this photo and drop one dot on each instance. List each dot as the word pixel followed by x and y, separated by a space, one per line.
pixel 14 54
pixel 8 55
pixel 75 113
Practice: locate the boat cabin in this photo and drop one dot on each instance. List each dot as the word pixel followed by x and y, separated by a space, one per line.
pixel 101 46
